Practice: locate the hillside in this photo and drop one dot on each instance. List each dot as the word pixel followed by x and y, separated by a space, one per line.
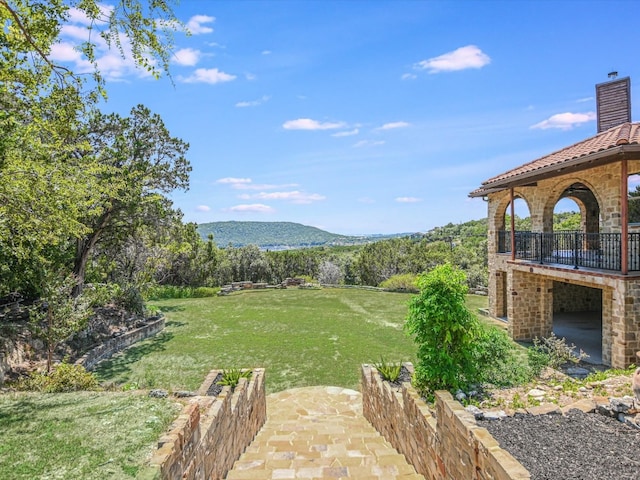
pixel 277 235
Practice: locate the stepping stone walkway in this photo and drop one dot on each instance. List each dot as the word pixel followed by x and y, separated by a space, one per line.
pixel 319 433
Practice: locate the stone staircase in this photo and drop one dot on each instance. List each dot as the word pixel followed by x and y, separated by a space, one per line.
pixel 319 433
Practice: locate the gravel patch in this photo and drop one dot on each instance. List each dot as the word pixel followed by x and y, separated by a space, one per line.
pixel 574 446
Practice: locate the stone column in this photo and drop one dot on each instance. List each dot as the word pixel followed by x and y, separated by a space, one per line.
pixel 530 305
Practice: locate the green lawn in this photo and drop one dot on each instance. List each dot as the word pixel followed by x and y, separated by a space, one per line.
pixel 83 435
pixel 301 337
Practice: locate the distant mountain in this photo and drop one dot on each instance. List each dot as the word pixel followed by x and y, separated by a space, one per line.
pixel 279 235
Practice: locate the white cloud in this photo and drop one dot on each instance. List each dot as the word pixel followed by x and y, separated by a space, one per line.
pixel 78 16
pixel 293 197
pixel 195 24
pixel 584 100
pixel 565 121
pixel 408 200
pixel 266 52
pixel 203 208
pixel 253 103
pixel 409 76
pixel 233 180
pixel 256 208
pixel 65 52
pixel 393 125
pixel 368 143
pixel 208 75
pixel 366 200
pixel 250 76
pixel 187 56
pixel 309 124
pixel 262 186
pixel 346 133
pixel 460 59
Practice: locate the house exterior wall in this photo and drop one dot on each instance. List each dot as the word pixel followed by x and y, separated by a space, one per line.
pixel 530 286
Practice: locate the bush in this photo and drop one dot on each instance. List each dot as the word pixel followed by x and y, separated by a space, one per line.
pixel 501 362
pixel 445 331
pixel 406 282
pixel 556 350
pixel 203 292
pixel 131 300
pixel 65 377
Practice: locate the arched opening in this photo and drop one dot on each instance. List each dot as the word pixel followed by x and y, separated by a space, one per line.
pixel 577 309
pixel 521 223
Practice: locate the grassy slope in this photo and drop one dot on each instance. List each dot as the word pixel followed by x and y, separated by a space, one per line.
pixel 79 435
pixel 302 337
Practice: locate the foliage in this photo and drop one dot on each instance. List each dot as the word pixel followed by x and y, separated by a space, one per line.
pixel 65 377
pixel 557 351
pixel 57 314
pixel 406 282
pixel 329 273
pixel 232 376
pixel 566 221
pixel 444 330
pixel 634 205
pixel 388 371
pixel 501 362
pixel 160 292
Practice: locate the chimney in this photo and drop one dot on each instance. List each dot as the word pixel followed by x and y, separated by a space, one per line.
pixel 613 102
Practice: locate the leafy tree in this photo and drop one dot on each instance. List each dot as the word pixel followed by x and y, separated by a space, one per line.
pixel 634 205
pixel 57 315
pixel 330 273
pixel 141 161
pixel 444 330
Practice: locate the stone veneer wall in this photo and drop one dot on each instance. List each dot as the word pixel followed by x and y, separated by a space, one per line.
pixel 447 445
pixel 211 432
pixel 114 345
pixel 568 297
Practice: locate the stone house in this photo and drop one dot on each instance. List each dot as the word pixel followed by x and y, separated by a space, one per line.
pixel 535 275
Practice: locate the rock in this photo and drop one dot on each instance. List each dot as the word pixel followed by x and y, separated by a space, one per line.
pixel 460 395
pixel 183 394
pixel 158 393
pixel 585 405
pixel 583 389
pixel 497 415
pixel 557 388
pixel 475 411
pixel 577 372
pixel 621 405
pixel 535 393
pixel 547 409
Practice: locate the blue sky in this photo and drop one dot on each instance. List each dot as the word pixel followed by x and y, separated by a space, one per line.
pixel 372 116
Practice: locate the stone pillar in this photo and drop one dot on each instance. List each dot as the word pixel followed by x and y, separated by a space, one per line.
pixel 625 315
pixel 497 293
pixel 607 322
pixel 530 305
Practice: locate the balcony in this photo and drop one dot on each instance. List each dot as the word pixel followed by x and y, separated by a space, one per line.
pixel 577 249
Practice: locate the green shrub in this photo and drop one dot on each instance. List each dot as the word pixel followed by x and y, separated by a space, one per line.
pixel 557 350
pixel 444 330
pixel 131 300
pixel 389 371
pixel 202 292
pixel 232 376
pixel 500 361
pixel 65 377
pixel 406 282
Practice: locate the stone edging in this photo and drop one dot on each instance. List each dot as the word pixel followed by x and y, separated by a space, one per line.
pixel 442 444
pixel 90 359
pixel 211 432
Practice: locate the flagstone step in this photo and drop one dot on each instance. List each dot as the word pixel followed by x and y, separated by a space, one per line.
pixel 319 433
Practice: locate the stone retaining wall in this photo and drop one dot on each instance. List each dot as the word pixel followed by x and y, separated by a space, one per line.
pixel 211 432
pixel 114 345
pixel 443 445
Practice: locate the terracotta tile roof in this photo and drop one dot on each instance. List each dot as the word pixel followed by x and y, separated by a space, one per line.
pixel 625 134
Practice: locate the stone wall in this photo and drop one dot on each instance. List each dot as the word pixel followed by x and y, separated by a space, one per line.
pixel 443 445
pixel 114 345
pixel 211 432
pixel 568 297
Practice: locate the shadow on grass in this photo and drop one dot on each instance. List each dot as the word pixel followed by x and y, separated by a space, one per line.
pixel 30 406
pixel 172 308
pixel 174 323
pixel 120 365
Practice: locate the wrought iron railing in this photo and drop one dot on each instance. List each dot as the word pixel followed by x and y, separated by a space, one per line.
pixel 578 249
